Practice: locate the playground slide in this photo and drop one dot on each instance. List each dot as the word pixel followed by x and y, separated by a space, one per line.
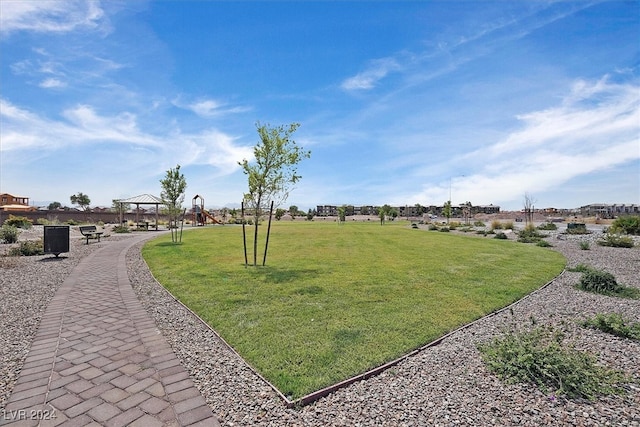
pixel 211 217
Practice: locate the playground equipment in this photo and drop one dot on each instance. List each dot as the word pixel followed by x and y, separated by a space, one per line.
pixel 199 213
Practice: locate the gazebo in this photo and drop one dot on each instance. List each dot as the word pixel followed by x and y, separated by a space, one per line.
pixel 143 199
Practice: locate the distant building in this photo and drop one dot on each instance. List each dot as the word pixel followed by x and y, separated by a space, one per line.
pixel 326 210
pixel 609 211
pixel 9 202
pixel 485 209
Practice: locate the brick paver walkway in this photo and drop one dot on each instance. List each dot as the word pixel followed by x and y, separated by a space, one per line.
pixel 99 360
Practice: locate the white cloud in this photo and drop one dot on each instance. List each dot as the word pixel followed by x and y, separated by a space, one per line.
pixel 52 83
pixel 209 107
pixel 595 127
pixel 23 130
pixel 49 16
pixel 368 79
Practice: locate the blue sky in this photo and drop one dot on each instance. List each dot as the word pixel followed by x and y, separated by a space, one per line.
pixel 399 102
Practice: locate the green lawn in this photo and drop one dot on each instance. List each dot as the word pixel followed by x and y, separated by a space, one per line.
pixel 335 301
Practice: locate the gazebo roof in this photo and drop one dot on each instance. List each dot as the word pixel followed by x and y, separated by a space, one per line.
pixel 143 199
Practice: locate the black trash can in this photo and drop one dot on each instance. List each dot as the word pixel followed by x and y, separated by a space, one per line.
pixel 56 239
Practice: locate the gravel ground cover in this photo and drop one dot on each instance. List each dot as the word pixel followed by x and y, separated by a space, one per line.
pixel 443 385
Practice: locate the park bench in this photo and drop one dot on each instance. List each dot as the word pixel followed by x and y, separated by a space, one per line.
pixel 90 232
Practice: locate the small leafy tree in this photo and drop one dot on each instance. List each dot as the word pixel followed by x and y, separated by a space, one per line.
pixel 54 206
pixel 342 214
pixel 280 213
pixel 272 174
pixel 172 195
pixel 446 211
pixel 82 200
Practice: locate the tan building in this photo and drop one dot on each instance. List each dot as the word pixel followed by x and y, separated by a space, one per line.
pixel 9 202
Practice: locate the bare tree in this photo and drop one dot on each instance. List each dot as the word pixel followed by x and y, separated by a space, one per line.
pixel 528 208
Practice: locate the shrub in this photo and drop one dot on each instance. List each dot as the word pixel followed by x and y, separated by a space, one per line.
pixel 584 245
pixel 496 225
pixel 548 226
pixel 580 268
pixel 530 235
pixel 543 244
pixel 598 281
pixel 19 221
pixel 616 241
pixel 478 224
pixel 508 225
pixel 433 227
pixel 444 229
pixel 627 225
pixel 577 228
pixel 483 232
pixel 28 248
pixel 121 229
pixel 614 324
pixel 500 235
pixel 9 233
pixel 540 357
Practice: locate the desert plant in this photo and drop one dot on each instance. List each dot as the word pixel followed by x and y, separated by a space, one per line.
pixel 496 225
pixel 433 227
pixel 9 234
pixel 28 248
pixel 627 225
pixel 584 245
pixel 530 234
pixel 478 224
pixel 500 235
pixel 577 228
pixel 444 229
pixel 508 225
pixel 543 244
pixel 19 221
pixel 541 357
pixel 598 281
pixel 121 229
pixel 548 226
pixel 614 324
pixel 616 241
pixel 580 268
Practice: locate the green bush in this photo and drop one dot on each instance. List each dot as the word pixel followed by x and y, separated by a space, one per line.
pixel 540 357
pixel 543 244
pixel 598 281
pixel 433 227
pixel 530 235
pixel 444 229
pixel 548 226
pixel 500 235
pixel 614 324
pixel 19 221
pixel 121 229
pixel 28 248
pixel 627 225
pixel 584 245
pixel 580 268
pixel 577 228
pixel 9 233
pixel 616 241
pixel 478 224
